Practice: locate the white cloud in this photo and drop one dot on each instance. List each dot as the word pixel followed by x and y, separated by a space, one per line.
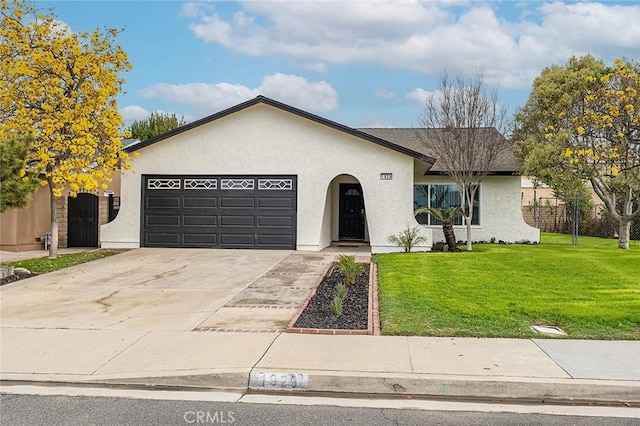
pixel 207 98
pixel 298 91
pixel 458 36
pixel 131 113
pixel 385 94
pixel 420 95
pixel 190 10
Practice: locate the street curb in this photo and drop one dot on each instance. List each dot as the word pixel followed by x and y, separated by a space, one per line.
pixel 383 386
pixel 568 391
pixel 232 379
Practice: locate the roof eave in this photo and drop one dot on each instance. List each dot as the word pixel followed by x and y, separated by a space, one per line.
pixel 432 172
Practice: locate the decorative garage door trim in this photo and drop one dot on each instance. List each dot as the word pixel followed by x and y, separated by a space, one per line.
pixel 163 184
pixel 200 183
pixel 277 184
pixel 219 211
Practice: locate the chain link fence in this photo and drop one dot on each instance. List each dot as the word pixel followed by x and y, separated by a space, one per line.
pixel 551 214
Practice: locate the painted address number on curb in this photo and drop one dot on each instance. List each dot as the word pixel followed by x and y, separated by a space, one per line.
pixel 279 381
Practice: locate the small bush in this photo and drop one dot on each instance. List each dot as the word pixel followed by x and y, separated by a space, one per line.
pixel 341 291
pixel 337 305
pixel 407 239
pixel 349 268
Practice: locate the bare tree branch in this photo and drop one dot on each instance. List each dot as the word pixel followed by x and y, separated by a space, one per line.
pixel 469 138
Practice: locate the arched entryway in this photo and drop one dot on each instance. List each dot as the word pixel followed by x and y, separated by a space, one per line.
pixel 345 213
pixel 82 221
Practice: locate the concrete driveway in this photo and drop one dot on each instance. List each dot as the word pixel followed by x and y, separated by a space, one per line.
pixel 160 289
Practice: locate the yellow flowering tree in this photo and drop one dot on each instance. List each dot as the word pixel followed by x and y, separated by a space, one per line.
pixel 59 88
pixel 589 130
pixel 603 141
pixel 555 91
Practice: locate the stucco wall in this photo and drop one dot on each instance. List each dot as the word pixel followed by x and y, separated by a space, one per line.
pixel 19 228
pixel 266 140
pixel 500 211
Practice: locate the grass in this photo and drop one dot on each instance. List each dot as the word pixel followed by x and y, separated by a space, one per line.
pixel 42 265
pixel 591 291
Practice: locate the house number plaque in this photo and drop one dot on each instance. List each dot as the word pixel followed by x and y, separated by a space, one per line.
pixel 386 176
pixel 278 381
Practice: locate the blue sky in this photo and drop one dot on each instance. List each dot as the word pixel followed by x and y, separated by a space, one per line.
pixel 363 63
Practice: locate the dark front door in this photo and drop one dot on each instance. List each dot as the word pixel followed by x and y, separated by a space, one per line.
pixel 82 221
pixel 351 212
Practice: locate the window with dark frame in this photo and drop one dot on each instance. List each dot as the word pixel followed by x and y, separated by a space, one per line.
pixel 443 196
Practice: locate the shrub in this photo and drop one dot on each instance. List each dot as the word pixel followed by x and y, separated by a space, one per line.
pixel 338 300
pixel 407 239
pixel 336 306
pixel 349 268
pixel 341 291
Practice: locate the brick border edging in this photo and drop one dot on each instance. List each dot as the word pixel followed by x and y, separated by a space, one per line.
pixel 374 301
pixel 373 316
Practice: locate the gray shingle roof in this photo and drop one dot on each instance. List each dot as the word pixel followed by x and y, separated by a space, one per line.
pixel 409 138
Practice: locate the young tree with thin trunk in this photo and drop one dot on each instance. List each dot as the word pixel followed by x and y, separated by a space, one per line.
pixel 59 88
pixel 469 136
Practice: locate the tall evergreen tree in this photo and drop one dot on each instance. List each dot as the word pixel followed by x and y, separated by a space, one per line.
pixel 17 182
pixel 156 124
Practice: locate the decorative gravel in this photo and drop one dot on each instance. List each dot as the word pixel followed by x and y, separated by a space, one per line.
pixel 14 278
pixel 318 313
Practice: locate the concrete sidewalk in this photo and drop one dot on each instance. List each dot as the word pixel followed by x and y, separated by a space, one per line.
pixel 563 371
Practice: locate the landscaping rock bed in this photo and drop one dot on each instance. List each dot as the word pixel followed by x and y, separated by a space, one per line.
pixel 317 314
pixel 16 277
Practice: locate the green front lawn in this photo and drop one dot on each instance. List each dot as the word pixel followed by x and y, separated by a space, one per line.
pixel 591 291
pixel 42 265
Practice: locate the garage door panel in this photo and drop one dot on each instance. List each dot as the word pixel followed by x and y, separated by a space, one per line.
pixel 283 241
pixel 200 202
pixel 237 221
pixel 275 203
pixel 162 220
pixel 237 202
pixel 158 201
pixel 219 211
pixel 236 240
pixel 275 221
pixel 201 220
pixel 163 239
pixel 200 240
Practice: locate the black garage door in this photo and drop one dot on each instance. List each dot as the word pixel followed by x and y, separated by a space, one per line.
pixel 219 211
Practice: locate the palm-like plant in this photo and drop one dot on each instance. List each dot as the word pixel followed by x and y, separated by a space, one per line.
pixel 446 216
pixel 408 238
pixel 349 268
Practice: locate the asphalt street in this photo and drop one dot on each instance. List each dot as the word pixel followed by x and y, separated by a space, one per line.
pixel 40 410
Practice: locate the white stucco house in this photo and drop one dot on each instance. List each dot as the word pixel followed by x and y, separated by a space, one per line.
pixel 263 174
